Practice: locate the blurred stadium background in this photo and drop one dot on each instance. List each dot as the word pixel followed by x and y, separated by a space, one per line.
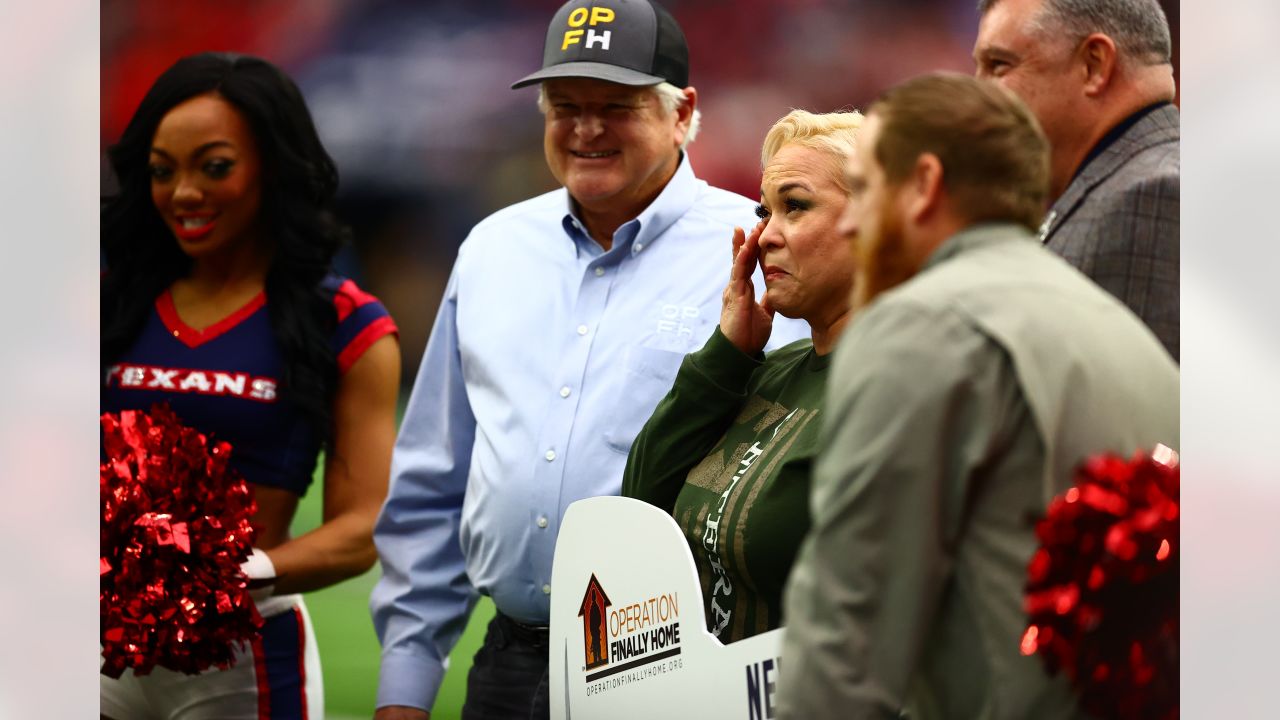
pixel 411 98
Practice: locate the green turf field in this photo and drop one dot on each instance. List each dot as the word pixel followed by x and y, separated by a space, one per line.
pixel 349 648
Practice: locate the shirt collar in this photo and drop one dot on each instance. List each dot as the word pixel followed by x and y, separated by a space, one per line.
pixel 638 233
pixel 976 236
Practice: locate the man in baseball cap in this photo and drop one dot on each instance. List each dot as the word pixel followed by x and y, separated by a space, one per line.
pixel 563 324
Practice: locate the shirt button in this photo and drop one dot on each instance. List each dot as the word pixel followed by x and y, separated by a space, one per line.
pixel 639 247
pixel 551 455
pixel 582 329
pixel 564 391
pixel 599 271
pixel 542 521
pixel 546 589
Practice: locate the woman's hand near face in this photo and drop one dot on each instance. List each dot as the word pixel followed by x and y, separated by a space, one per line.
pixel 743 321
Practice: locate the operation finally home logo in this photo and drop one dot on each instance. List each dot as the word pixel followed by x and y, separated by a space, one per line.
pixel 594 37
pixel 628 642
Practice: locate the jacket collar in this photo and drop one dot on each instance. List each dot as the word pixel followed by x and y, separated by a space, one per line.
pixel 1157 126
pixel 974 237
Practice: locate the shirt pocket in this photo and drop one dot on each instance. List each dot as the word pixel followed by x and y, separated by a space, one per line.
pixel 648 376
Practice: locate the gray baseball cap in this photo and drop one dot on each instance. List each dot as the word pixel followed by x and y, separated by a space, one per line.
pixel 629 42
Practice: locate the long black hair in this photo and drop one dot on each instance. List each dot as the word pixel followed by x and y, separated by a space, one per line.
pixel 299 181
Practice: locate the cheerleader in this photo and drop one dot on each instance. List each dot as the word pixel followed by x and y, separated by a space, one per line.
pixel 219 298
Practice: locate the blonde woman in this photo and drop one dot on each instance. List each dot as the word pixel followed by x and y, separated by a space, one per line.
pixel 728 451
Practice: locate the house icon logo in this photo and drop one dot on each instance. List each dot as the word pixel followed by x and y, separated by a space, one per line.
pixel 594 626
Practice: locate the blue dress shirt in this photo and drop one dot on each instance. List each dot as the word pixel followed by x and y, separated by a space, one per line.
pixel 547 357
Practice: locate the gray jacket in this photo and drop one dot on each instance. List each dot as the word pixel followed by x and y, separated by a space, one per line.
pixel 958 405
pixel 1117 222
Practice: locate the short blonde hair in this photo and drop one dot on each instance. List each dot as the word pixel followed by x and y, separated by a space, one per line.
pixel 670 97
pixel 832 132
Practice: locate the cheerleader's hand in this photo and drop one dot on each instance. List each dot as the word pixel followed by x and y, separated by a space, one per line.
pixel 261 573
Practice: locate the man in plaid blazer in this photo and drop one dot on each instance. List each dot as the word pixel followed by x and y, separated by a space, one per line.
pixel 1097 74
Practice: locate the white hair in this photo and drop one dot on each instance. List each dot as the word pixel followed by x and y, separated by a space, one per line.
pixel 669 96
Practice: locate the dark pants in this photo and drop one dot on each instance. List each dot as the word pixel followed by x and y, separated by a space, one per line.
pixel 509 676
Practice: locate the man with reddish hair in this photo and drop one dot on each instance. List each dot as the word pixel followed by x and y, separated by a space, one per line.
pixel 978 371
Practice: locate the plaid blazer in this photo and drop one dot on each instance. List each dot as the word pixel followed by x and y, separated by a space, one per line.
pixel 1117 222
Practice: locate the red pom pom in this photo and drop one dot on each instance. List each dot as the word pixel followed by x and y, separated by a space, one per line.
pixel 1102 589
pixel 175 529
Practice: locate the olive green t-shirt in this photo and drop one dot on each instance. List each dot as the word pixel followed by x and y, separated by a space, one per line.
pixel 728 453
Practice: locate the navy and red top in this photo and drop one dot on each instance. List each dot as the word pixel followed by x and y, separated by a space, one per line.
pixel 225 380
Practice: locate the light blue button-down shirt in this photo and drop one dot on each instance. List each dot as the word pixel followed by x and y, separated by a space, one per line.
pixel 547 357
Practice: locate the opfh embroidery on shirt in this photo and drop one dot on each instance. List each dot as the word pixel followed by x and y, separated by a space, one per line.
pixel 202 382
pixel 678 319
pixel 597 38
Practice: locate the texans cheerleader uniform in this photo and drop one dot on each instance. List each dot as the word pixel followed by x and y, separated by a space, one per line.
pixel 225 381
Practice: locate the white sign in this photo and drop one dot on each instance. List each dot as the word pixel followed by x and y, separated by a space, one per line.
pixel 628 630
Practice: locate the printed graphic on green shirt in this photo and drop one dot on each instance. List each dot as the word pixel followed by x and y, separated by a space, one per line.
pixel 728 452
pixel 739 487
